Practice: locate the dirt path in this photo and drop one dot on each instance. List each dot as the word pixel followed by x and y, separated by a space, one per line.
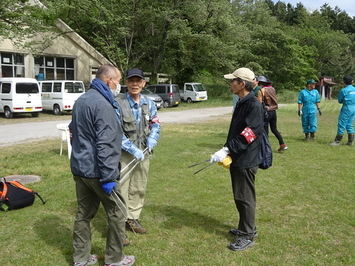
pixel 27 132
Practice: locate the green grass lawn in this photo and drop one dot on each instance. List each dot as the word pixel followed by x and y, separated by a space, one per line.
pixel 305 213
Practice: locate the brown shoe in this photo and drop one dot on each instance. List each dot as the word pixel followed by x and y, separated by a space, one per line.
pixel 126 242
pixel 135 226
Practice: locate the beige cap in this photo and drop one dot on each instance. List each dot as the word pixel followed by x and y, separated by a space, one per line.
pixel 242 73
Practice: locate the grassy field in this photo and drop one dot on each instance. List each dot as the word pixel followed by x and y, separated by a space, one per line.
pixel 305 213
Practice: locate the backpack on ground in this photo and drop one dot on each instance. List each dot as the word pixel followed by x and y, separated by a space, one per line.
pixel 266 152
pixel 14 195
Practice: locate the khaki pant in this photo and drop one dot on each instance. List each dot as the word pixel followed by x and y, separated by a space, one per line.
pixel 89 195
pixel 133 188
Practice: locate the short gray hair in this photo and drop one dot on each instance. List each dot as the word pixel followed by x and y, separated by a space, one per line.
pixel 107 70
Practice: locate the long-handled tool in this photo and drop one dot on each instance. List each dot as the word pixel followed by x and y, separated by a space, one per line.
pixel 117 198
pixel 125 176
pixel 118 201
pixel 226 163
pixel 199 163
pixel 203 168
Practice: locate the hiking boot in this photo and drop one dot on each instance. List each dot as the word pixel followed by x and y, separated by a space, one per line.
pixel 306 136
pixel 350 139
pixel 283 147
pixel 127 261
pixel 237 233
pixel 135 226
pixel 92 260
pixel 241 244
pixel 311 138
pixel 126 242
pixel 337 140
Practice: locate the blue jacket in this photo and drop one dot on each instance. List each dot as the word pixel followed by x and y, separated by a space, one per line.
pixel 347 95
pixel 309 98
pixel 96 135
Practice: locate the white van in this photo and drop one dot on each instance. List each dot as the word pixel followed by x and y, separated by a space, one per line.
pixel 193 92
pixel 20 95
pixel 60 95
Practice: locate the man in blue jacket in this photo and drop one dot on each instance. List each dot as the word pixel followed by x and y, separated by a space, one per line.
pixel 96 151
pixel 347 113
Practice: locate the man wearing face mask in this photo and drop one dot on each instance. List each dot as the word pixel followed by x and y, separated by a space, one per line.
pixel 141 128
pixel 94 162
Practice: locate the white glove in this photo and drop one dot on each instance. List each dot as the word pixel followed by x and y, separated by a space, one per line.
pixel 220 155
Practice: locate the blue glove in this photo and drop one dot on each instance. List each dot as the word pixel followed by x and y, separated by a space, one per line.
pixel 138 154
pixel 108 187
pixel 151 143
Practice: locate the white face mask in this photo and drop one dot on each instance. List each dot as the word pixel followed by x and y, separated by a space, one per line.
pixel 117 90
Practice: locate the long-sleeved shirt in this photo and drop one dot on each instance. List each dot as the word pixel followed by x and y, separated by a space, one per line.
pixel 154 123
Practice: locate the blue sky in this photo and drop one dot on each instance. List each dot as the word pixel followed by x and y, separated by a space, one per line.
pixel 311 5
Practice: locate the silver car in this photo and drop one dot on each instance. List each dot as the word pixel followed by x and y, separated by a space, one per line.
pixel 158 101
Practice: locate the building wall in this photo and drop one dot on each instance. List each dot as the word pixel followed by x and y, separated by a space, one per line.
pixel 69 45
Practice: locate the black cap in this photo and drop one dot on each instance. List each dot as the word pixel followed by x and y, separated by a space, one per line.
pixel 348 79
pixel 134 72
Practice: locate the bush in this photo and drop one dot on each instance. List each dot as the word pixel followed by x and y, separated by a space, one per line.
pixel 287 96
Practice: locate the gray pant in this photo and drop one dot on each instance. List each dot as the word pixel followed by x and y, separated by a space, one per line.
pixel 89 195
pixel 243 185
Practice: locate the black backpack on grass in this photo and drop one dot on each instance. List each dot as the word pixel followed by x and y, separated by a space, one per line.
pixel 14 195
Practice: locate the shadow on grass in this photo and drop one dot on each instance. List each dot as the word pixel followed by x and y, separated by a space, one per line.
pixel 174 217
pixel 54 232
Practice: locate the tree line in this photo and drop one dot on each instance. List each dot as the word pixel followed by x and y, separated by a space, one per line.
pixel 201 40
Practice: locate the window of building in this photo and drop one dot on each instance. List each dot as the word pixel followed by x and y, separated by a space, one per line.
pixel 54 68
pixel 12 65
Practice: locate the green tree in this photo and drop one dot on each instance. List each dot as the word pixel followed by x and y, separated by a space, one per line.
pixel 22 22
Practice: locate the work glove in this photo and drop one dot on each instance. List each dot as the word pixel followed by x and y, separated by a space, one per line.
pixel 220 155
pixel 138 153
pixel 319 111
pixel 151 143
pixel 299 112
pixel 108 187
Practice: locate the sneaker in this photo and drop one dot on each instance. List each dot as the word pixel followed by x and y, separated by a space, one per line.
pixel 237 233
pixel 135 226
pixel 92 260
pixel 241 244
pixel 283 147
pixel 127 261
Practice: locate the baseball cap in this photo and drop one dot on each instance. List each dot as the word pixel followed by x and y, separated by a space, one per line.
pixel 311 81
pixel 348 79
pixel 134 72
pixel 242 73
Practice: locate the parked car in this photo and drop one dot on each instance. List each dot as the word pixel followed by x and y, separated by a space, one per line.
pixel 20 95
pixel 168 92
pixel 193 92
pixel 60 95
pixel 158 101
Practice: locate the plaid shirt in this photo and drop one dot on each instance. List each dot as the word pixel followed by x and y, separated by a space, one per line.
pixel 154 123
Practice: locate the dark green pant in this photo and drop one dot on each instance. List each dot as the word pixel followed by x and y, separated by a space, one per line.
pixel 243 185
pixel 89 195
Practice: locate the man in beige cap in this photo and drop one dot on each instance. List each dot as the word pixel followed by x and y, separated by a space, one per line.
pixel 243 146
